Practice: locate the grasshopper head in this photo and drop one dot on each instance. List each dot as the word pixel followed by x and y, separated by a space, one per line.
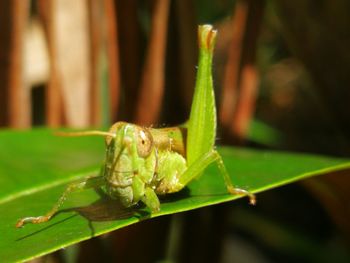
pixel 128 152
pixel 122 135
pixel 130 135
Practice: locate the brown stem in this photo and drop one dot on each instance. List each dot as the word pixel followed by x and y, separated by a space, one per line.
pixel 241 78
pixel 186 56
pixel 95 53
pixel 232 70
pixel 130 41
pixel 249 75
pixel 54 110
pixel 14 97
pixel 113 57
pixel 152 83
pixel 246 102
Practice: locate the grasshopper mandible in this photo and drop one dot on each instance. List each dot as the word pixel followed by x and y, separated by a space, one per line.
pixel 142 163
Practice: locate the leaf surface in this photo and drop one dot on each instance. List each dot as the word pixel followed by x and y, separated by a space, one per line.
pixel 36 166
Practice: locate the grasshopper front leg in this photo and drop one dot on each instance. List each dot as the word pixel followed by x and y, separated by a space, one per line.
pixel 196 168
pixel 90 182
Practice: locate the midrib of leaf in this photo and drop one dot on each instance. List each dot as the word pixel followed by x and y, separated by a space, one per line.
pixel 45 186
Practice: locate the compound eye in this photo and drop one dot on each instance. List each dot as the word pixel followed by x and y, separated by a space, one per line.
pixel 144 142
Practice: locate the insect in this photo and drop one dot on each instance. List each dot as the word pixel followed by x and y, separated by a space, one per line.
pixel 142 163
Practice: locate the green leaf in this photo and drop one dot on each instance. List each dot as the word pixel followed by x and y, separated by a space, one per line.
pixel 35 167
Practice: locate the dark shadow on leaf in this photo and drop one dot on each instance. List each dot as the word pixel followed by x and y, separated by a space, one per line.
pixel 45 228
pixel 169 198
pixel 103 209
pixel 107 209
pixel 186 193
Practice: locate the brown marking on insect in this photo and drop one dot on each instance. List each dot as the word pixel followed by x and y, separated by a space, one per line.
pixel 172 138
pixel 210 38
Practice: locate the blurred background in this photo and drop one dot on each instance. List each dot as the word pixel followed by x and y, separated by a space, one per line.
pixel 281 73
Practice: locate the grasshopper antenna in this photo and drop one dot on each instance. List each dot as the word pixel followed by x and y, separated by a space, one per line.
pixel 85 133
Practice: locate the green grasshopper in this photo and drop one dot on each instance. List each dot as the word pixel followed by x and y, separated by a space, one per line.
pixel 142 163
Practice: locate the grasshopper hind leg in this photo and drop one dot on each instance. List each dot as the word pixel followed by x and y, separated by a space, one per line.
pixel 202 162
pixel 230 188
pixel 86 183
